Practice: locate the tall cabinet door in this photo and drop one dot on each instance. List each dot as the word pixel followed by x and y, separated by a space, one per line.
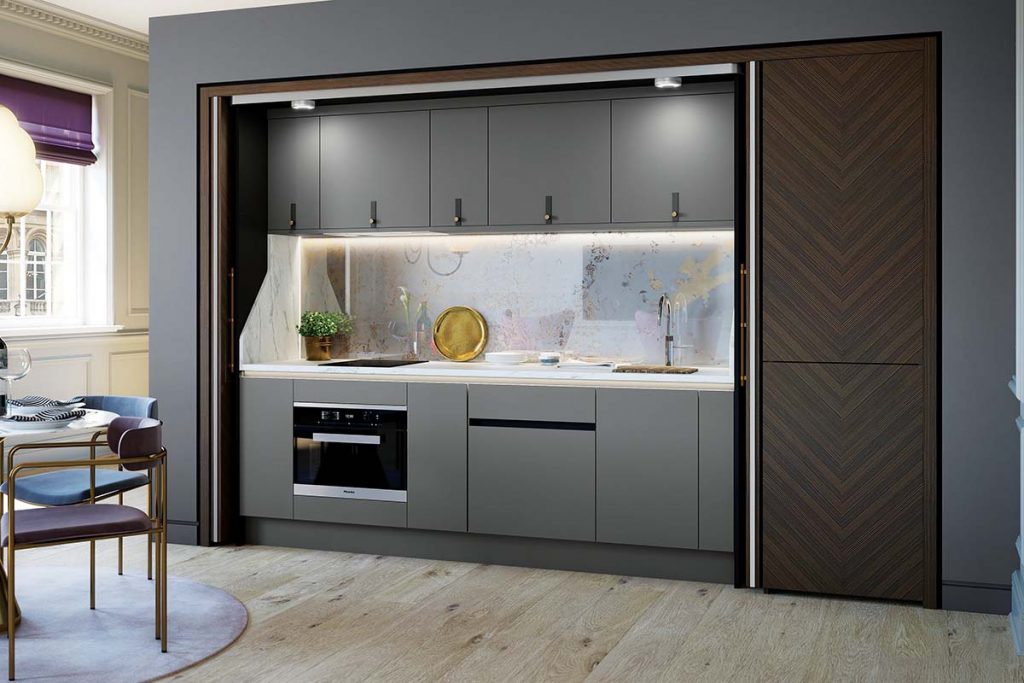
pixel 293 174
pixel 558 150
pixel 848 362
pixel 458 167
pixel 673 153
pixel 375 170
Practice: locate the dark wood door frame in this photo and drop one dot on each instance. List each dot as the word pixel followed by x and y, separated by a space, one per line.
pixel 214 228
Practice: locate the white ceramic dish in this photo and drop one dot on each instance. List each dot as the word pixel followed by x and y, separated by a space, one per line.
pixel 15 426
pixel 506 357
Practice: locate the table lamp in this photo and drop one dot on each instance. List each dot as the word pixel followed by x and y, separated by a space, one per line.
pixel 21 181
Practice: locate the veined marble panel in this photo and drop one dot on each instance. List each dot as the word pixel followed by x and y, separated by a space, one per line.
pixel 269 332
pixel 584 295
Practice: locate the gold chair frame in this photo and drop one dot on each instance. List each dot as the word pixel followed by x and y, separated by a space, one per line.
pixel 156 533
pixel 93 498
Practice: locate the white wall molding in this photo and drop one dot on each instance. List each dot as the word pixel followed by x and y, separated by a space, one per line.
pixel 90 364
pixel 46 17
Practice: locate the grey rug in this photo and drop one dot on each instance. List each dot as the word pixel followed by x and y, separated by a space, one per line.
pixel 61 639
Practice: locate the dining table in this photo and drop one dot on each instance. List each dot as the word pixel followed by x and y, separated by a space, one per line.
pixel 80 429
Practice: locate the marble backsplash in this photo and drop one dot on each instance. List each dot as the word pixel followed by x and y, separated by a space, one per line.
pixel 586 295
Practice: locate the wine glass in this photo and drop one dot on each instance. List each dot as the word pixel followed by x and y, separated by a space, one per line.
pixel 14 364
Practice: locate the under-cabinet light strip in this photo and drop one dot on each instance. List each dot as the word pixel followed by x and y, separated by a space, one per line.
pixel 489 84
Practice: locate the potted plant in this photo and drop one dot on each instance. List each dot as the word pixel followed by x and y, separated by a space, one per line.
pixel 345 325
pixel 317 329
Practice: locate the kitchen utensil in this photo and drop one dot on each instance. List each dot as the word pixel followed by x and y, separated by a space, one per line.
pixel 460 333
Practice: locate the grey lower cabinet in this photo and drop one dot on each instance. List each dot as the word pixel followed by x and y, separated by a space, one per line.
pixel 293 174
pixel 530 481
pixel 560 151
pixel 673 153
pixel 647 467
pixel 717 463
pixel 437 456
pixel 458 168
pixel 375 170
pixel 265 448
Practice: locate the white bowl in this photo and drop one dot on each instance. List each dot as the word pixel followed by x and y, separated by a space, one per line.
pixel 506 357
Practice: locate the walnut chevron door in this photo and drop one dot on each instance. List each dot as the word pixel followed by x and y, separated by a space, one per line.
pixel 842 485
pixel 848 333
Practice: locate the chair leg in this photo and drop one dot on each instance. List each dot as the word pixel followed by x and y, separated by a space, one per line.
pixel 120 543
pixel 149 539
pixel 163 590
pixel 92 574
pixel 156 586
pixel 10 611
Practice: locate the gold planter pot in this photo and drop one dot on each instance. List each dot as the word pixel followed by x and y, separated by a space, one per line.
pixel 317 348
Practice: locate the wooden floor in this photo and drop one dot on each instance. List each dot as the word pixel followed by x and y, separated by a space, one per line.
pixel 327 616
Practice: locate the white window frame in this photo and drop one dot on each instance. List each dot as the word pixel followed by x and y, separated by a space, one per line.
pixel 96 306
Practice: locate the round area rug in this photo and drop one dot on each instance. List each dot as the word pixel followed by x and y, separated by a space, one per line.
pixel 61 639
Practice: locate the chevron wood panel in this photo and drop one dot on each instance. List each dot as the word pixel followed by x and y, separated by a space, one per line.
pixel 843 479
pixel 843 208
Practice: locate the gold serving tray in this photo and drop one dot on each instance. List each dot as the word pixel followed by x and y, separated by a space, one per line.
pixel 460 333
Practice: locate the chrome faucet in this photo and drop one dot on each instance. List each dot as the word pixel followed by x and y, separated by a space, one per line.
pixel 665 312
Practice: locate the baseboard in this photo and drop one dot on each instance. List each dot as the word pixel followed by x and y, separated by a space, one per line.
pixel 182 533
pixel 987 598
pixel 602 558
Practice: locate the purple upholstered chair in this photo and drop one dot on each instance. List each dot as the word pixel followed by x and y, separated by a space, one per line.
pixel 137 443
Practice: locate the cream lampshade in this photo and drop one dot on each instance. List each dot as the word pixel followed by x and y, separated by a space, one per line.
pixel 21 182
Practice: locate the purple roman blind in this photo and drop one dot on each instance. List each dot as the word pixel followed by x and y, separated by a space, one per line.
pixel 59 121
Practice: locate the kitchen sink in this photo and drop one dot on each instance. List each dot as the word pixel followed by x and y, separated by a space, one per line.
pixel 373 363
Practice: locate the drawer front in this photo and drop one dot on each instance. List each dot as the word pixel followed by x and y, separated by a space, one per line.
pixel 532 482
pixel 345 391
pixel 541 404
pixel 344 511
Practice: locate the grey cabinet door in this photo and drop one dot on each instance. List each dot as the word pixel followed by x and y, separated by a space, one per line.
pixel 647 478
pixel 717 488
pixel 531 482
pixel 375 163
pixel 663 145
pixel 458 167
pixel 293 173
pixel 437 456
pixel 265 449
pixel 561 150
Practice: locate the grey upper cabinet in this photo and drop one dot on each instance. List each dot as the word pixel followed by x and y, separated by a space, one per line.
pixel 558 150
pixel 293 173
pixel 665 145
pixel 717 487
pixel 265 448
pixel 647 471
pixel 437 456
pixel 458 167
pixel 375 170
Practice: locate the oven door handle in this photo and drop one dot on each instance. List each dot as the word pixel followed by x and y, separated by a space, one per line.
pixel 373 439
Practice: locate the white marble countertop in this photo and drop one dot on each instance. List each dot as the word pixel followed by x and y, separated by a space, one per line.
pixel 717 379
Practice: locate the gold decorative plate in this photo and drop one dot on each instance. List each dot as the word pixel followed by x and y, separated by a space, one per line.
pixel 460 333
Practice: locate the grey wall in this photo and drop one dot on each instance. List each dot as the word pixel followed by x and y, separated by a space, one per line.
pixel 346 36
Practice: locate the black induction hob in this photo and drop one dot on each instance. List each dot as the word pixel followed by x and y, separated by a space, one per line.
pixel 374 363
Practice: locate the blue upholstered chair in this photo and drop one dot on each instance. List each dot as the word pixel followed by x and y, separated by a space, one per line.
pixel 137 445
pixel 73 486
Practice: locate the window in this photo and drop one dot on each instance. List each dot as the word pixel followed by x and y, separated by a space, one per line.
pixel 41 271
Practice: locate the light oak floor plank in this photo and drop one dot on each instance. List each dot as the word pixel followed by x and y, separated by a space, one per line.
pixel 333 616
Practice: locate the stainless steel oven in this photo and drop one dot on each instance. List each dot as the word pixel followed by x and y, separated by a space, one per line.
pixel 350 451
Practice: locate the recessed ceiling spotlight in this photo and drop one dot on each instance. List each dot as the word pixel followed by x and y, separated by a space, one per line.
pixel 661 82
pixel 310 105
